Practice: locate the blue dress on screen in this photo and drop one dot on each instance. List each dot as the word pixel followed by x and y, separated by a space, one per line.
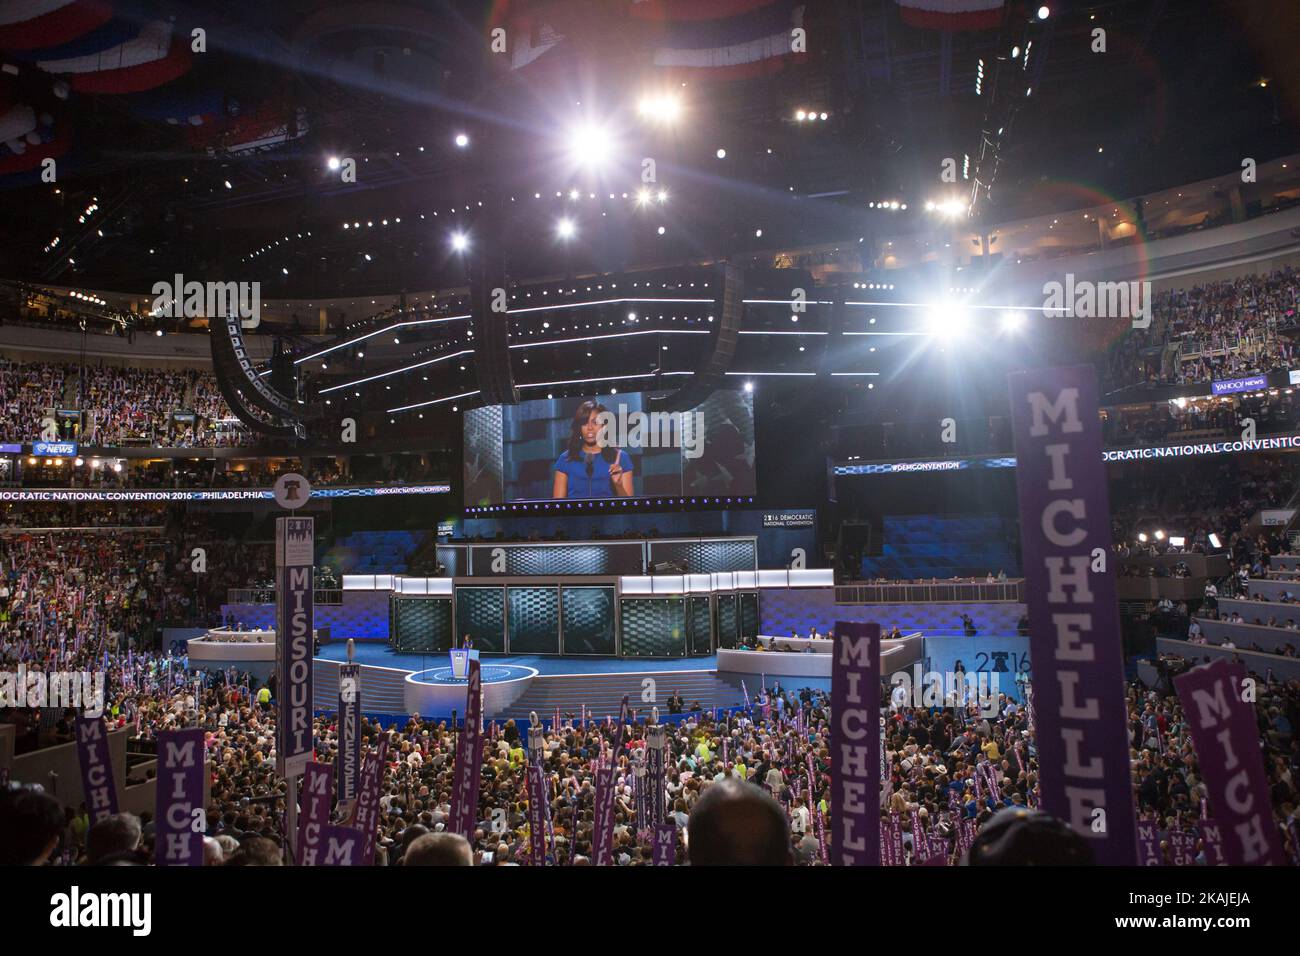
pixel 595 485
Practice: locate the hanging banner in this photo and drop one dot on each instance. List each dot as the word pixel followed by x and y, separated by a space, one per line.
pixel 469 759
pixel 294 543
pixel 1226 738
pixel 855 732
pixel 179 798
pixel 539 797
pixel 1079 691
pixel 349 760
pixel 314 798
pixel 602 830
pixel 96 762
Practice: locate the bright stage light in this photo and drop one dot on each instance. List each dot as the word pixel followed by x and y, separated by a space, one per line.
pixel 661 108
pixel 749 386
pixel 589 145
pixel 948 319
pixel 459 241
pixel 643 197
pixel 1044 12
pixel 1160 535
pixel 663 195
pixel 462 140
pixel 949 208
pixel 1013 320
pixel 801 115
pixel 1214 541
pixel 721 154
pixel 565 229
pixel 334 162
pixel 1142 537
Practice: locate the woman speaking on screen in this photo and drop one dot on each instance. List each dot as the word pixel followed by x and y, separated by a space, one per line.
pixel 588 470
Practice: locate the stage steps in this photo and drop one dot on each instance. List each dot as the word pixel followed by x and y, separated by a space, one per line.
pixel 603 693
pixel 383 689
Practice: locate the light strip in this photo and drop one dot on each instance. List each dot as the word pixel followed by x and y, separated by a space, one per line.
pixel 613 335
pixel 783 374
pixel 758 332
pixel 580 305
pixel 884 333
pixel 787 301
pixel 433 401
pixel 397 371
pixel 854 373
pixel 604 378
pixel 370 335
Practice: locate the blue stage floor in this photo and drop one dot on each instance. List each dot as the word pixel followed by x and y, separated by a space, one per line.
pixel 380 655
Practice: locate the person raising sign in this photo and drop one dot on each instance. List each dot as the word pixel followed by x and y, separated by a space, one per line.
pixel 587 469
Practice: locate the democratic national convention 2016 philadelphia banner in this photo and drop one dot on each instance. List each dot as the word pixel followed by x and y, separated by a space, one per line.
pixel 1074 640
pixel 207 494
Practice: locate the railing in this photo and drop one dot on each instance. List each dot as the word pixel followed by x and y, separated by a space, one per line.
pixel 937 592
pixel 267 596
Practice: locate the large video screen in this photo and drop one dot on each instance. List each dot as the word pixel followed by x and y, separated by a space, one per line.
pixel 608 446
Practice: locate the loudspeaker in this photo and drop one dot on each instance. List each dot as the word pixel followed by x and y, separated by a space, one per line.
pixel 729 308
pixel 496 381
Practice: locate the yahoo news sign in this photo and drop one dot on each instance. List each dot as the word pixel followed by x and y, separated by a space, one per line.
pixel 1231 386
pixel 294 556
pixel 1079 694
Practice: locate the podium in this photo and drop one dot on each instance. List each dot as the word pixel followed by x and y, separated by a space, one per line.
pixel 460 658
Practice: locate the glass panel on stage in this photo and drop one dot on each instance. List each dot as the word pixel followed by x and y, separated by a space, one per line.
pixel 421 625
pixel 481 613
pixel 653 627
pixel 700 619
pixel 588 620
pixel 728 620
pixel 534 620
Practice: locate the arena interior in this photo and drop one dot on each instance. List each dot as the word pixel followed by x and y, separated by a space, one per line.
pixel 555 433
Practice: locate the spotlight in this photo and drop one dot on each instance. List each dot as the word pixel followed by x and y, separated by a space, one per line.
pixel 643 197
pixel 334 162
pixel 663 195
pixel 665 108
pixel 1160 535
pixel 459 241
pixel 462 140
pixel 721 154
pixel 1044 12
pixel 1214 541
pixel 565 229
pixel 948 319
pixel 589 145
pixel 1142 537
pixel 1012 320
pixel 800 115
pixel 749 386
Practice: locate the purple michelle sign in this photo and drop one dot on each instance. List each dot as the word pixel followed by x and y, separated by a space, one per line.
pixel 96 768
pixel 602 828
pixel 342 846
pixel 179 794
pixel 1074 640
pixel 365 813
pixel 855 734
pixel 1226 738
pixel 469 759
pixel 316 794
pixel 1148 835
pixel 665 844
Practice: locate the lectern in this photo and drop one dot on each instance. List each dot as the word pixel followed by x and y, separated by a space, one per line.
pixel 460 658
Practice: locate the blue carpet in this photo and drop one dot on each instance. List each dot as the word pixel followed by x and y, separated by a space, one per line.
pixel 380 655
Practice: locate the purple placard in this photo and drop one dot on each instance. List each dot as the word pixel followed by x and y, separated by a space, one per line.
pixel 469 759
pixel 1212 836
pixel 1226 739
pixel 1251 383
pixel 294 543
pixel 538 811
pixel 97 781
pixel 314 798
pixel 665 845
pixel 344 846
pixel 1074 639
pixel 602 829
pixel 855 732
pixel 349 758
pixel 365 814
pixel 1148 836
pixel 178 795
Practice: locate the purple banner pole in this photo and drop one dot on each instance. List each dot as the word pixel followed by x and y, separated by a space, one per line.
pixel 179 793
pixel 316 794
pixel 294 543
pixel 1074 638
pixel 1226 739
pixel 349 759
pixel 855 733
pixel 469 759
pixel 96 761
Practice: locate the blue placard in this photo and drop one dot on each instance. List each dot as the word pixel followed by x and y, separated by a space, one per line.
pixel 55 449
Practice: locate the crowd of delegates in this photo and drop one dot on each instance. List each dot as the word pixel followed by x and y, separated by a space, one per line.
pixel 1208 419
pixel 1233 327
pixel 949 772
pixel 28 392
